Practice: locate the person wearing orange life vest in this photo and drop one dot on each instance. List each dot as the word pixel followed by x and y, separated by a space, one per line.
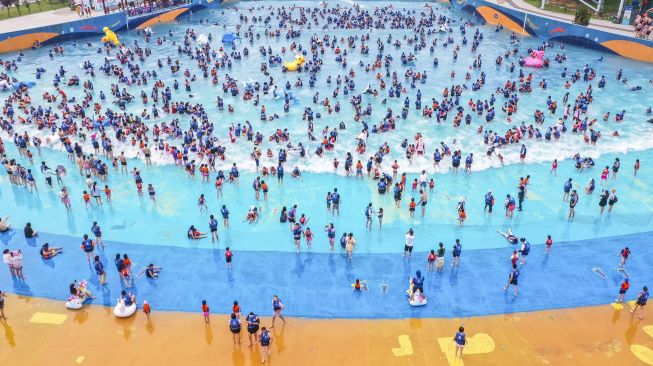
pixel 625 285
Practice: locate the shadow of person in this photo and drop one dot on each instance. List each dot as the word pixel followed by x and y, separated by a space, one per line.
pixel 629 335
pixel 127 326
pixel 279 339
pixel 81 315
pixel 616 315
pixel 237 356
pixel 31 241
pixel 208 334
pixel 150 327
pixel 6 236
pixel 48 262
pixel 21 287
pixel 9 333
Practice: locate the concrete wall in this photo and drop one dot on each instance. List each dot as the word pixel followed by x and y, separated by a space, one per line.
pixel 514 20
pixel 25 39
pixel 555 30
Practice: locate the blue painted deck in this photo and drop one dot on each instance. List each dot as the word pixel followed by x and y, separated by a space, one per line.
pixel 318 285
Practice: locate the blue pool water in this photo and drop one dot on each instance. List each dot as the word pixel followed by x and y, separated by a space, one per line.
pixel 137 225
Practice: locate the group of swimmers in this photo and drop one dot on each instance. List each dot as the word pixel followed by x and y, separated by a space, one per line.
pixel 173 128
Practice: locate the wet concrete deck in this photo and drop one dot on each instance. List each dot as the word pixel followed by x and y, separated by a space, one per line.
pixel 40 331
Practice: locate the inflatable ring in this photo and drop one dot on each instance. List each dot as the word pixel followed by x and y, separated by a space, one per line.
pixel 122 311
pixel 417 303
pixel 74 304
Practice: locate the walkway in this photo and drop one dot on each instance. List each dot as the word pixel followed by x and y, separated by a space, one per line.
pixel 41 19
pixel 602 335
pixel 599 24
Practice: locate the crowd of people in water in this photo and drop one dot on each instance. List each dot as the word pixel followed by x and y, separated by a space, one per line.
pixel 162 122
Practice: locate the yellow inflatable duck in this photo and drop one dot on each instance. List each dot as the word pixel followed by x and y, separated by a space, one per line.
pixel 110 36
pixel 294 65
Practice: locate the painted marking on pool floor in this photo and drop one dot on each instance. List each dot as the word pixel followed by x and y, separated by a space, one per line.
pixel 405 346
pixel 619 306
pixel 48 318
pixel 648 329
pixel 642 352
pixel 478 344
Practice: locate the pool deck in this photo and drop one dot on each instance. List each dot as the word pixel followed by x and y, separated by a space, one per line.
pixel 42 19
pixel 601 335
pixel 599 24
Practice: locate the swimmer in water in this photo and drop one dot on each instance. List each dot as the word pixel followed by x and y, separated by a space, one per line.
pixel 512 239
pixel 201 203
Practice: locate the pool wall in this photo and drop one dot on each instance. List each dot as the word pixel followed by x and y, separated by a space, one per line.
pixel 514 20
pixel 550 29
pixel 24 39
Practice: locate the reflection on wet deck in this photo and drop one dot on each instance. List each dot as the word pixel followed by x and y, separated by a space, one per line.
pixel 40 331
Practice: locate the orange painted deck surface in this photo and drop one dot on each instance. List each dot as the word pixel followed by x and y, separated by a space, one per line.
pixel 42 332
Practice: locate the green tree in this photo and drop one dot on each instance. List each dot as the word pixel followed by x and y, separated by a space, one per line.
pixel 7 4
pixel 17 5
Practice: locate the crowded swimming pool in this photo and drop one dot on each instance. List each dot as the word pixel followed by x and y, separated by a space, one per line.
pixel 228 96
pixel 141 221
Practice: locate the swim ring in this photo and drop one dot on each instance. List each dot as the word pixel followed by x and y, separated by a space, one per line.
pixel 74 303
pixel 122 311
pixel 418 299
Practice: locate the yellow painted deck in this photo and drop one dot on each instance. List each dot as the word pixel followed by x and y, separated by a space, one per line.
pixel 43 332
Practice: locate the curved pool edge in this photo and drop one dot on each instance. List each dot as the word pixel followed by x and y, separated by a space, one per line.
pixel 318 285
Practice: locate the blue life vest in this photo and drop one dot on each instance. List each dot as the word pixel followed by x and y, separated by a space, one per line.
pixel 234 325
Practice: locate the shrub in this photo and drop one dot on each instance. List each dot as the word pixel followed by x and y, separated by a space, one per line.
pixel 582 16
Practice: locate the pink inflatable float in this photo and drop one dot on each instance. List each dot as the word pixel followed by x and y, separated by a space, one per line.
pixel 536 59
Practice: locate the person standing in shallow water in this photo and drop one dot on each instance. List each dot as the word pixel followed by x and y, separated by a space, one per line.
pixel 2 305
pixel 615 168
pixel 612 199
pixel 410 242
pixel 603 200
pixel 457 250
pixel 277 310
pixel 489 202
pixel 335 202
pixel 350 244
pixel 513 279
pixel 573 201
pixel 205 312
